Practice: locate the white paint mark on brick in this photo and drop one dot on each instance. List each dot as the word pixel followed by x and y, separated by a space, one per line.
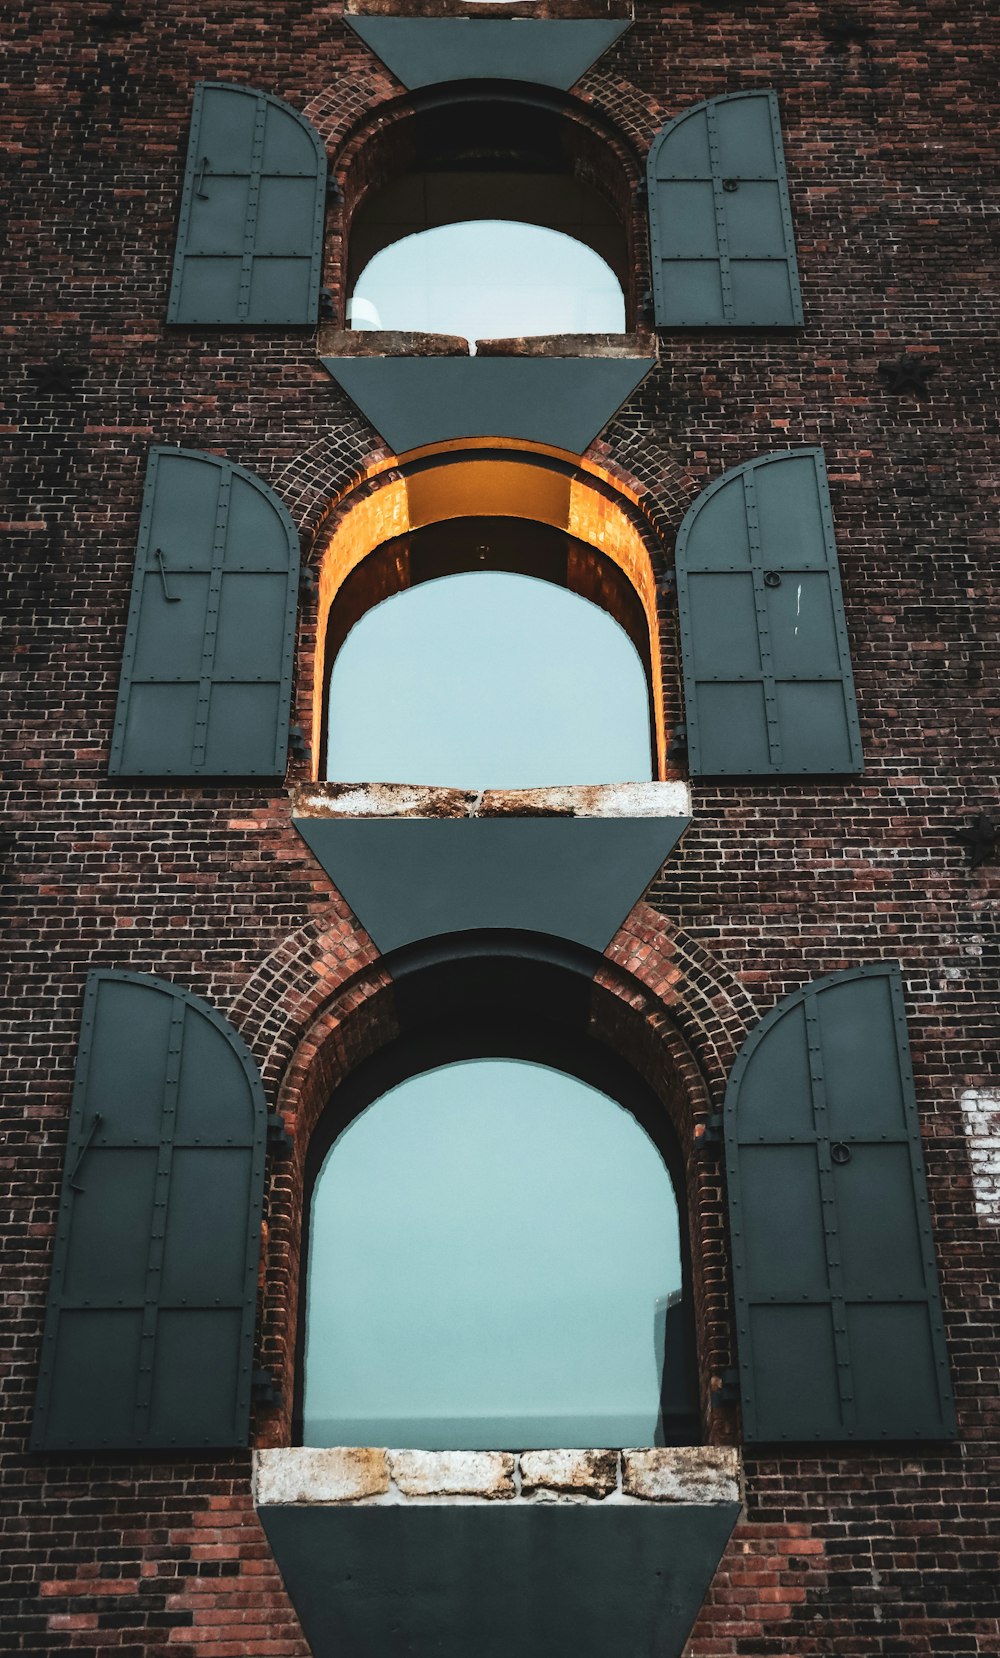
pixel 981 1116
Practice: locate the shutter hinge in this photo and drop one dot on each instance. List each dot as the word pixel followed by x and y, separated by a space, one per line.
pixel 264 1390
pixel 307 579
pixel 646 309
pixel 667 583
pixel 333 188
pixel 728 1391
pixel 297 742
pixel 678 746
pixel 278 1137
pixel 327 309
pixel 641 192
pixel 709 1133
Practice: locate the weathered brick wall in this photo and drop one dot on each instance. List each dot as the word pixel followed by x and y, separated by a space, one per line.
pixel 888 148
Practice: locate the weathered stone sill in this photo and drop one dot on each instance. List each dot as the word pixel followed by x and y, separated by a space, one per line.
pixel 370 1475
pixel 415 800
pixel 396 342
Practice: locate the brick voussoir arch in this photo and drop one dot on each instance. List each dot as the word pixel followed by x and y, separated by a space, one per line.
pixel 322 1001
pixel 296 984
pixel 667 976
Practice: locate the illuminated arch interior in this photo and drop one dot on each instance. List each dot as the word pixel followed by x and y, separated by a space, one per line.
pixel 492 481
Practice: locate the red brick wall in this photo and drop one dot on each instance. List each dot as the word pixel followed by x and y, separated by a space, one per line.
pixel 889 160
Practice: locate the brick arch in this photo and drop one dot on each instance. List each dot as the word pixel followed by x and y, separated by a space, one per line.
pixel 323 1001
pixel 668 976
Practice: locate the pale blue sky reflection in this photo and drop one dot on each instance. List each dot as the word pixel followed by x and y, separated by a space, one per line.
pixel 488 680
pixel 489 279
pixel 490 1246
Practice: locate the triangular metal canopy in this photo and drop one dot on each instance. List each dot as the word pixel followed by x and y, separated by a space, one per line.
pixel 451 1580
pixel 409 878
pixel 424 51
pixel 562 401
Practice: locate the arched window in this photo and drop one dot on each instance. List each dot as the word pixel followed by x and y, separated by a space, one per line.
pixel 493 217
pixel 488 653
pixel 495 1261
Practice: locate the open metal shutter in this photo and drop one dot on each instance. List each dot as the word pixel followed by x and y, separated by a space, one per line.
pixel 149 1333
pixel 838 1316
pixel 720 220
pixel 207 670
pixel 768 685
pixel 250 238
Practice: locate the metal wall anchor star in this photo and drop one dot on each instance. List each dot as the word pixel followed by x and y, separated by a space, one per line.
pixel 982 837
pixel 116 20
pixel 843 27
pixel 908 373
pixel 58 376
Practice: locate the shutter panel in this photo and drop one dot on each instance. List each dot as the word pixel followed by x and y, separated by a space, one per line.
pixel 149 1334
pixel 767 671
pixel 250 239
pixel 207 670
pixel 720 220
pixel 838 1316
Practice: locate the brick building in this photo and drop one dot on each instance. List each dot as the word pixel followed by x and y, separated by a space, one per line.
pixel 778 479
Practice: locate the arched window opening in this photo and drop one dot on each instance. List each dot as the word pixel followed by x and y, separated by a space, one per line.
pixel 495 1260
pixel 488 653
pixel 489 217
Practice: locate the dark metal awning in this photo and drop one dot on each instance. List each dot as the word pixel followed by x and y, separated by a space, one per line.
pixel 415 863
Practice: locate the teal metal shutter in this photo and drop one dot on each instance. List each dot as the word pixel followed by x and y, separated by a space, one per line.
pixel 768 685
pixel 207 670
pixel 720 220
pixel 149 1333
pixel 250 239
pixel 838 1317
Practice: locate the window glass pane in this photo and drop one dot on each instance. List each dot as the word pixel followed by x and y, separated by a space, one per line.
pixel 488 680
pixel 489 279
pixel 493 1249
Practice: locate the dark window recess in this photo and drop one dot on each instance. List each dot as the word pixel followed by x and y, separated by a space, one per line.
pixel 207 669
pixel 149 1332
pixel 720 220
pixel 768 685
pixel 250 238
pixel 839 1322
pixel 491 157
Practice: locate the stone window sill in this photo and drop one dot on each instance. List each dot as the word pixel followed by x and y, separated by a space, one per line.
pixel 347 1475
pixel 362 342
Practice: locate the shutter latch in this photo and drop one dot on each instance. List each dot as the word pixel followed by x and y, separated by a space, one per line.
pixel 78 1165
pixel 171 598
pixel 203 167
